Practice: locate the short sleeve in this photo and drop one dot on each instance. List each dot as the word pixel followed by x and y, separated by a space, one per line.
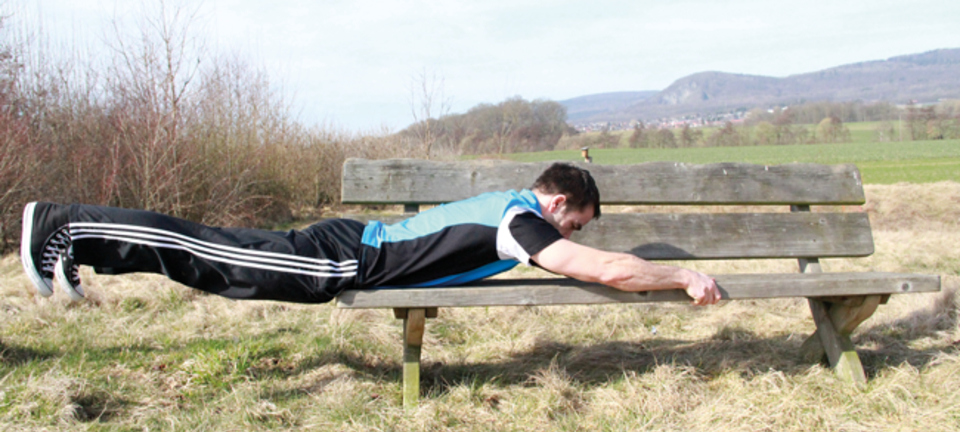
pixel 524 233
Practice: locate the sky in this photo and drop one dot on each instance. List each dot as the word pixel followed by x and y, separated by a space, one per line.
pixel 354 64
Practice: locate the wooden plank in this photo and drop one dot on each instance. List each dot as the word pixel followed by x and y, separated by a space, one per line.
pixel 727 236
pixel 413 326
pixel 409 181
pixel 701 236
pixel 529 292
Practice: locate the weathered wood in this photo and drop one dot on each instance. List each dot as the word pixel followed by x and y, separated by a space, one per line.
pixel 812 349
pixel 840 350
pixel 529 292
pixel 835 322
pixel 413 326
pixel 700 236
pixel 409 181
pixel 731 236
pixel 846 317
pixel 839 301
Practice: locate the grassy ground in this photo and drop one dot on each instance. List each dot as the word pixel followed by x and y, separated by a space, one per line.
pixel 147 354
pixel 879 163
pixel 860 132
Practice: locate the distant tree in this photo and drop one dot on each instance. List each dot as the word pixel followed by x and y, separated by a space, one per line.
pixel 663 138
pixel 690 137
pixel 426 102
pixel 639 138
pixel 783 120
pixel 727 136
pixel 802 135
pixel 917 120
pixel 935 129
pixel 832 130
pixel 950 112
pixel 766 133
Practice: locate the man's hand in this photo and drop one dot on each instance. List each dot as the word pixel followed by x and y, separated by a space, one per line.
pixel 702 288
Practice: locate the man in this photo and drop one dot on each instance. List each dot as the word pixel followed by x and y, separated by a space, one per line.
pixel 448 245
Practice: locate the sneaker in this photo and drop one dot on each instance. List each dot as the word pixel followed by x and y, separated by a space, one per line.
pixel 45 235
pixel 68 275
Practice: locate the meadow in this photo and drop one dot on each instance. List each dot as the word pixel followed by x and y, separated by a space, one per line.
pixel 147 354
pixel 143 353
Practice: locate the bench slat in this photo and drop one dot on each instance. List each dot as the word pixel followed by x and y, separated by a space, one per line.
pixel 412 181
pixel 532 292
pixel 701 236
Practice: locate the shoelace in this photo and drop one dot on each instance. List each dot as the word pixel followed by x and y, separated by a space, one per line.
pixel 52 249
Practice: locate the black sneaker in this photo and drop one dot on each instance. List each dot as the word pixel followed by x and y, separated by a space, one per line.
pixel 45 235
pixel 68 275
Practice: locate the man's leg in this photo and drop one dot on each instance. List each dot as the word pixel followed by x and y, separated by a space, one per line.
pixel 309 266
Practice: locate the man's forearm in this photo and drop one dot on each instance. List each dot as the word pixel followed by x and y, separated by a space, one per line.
pixel 624 271
pixel 629 273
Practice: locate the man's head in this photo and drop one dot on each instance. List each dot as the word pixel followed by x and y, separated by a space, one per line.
pixel 570 197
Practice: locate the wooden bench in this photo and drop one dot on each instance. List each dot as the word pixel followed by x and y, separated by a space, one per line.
pixel 839 301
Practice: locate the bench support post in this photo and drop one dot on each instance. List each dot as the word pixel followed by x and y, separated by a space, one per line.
pixel 835 322
pixel 412 340
pixel 414 321
pixel 836 319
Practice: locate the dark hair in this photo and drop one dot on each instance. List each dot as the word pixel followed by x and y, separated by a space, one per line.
pixel 573 182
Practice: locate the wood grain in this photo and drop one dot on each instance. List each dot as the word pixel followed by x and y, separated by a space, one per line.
pixel 414 181
pixel 531 292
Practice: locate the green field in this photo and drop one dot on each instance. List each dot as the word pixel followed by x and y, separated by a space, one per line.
pixel 879 163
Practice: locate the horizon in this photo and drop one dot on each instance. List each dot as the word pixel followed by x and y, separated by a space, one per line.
pixel 351 65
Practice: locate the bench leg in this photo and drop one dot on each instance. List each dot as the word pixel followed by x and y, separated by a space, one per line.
pixel 835 322
pixel 413 325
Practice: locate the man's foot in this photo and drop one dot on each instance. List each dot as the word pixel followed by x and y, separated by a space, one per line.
pixel 68 275
pixel 45 235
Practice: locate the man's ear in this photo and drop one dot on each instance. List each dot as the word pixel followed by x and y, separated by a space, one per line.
pixel 556 202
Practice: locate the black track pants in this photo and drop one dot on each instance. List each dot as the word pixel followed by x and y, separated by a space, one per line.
pixel 308 266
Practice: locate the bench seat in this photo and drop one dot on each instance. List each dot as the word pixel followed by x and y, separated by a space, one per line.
pixel 565 291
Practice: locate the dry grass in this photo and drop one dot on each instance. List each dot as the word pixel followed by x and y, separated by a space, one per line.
pixel 147 354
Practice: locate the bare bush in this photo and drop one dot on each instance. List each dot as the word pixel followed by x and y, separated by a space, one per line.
pixel 164 124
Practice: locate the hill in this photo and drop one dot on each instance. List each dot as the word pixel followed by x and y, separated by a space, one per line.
pixel 603 104
pixel 925 77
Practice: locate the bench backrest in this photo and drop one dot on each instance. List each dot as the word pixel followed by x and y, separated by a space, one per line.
pixel 658 236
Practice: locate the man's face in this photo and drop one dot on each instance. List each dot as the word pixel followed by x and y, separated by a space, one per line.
pixel 567 221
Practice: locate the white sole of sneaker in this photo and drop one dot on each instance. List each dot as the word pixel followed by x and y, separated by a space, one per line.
pixel 44 286
pixel 74 292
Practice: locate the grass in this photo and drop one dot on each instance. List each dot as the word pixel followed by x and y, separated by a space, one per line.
pixel 880 163
pixel 910 170
pixel 145 353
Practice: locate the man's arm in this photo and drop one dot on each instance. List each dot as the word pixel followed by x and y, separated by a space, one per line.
pixel 624 271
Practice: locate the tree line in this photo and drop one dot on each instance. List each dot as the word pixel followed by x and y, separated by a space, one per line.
pixel 514 125
pixel 817 122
